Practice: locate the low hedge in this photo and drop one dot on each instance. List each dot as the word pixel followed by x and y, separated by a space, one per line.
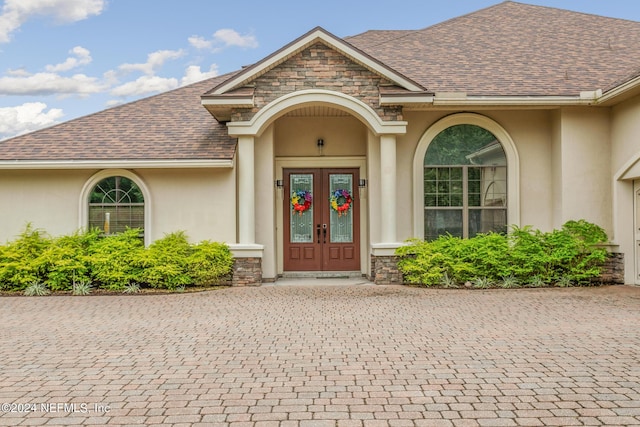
pixel 524 257
pixel 115 262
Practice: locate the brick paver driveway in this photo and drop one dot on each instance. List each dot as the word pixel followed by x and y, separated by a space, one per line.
pixel 324 355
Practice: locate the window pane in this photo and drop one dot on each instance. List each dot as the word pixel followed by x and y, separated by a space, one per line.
pixel 487 220
pixel 463 145
pixel 494 192
pixel 301 221
pixel 442 221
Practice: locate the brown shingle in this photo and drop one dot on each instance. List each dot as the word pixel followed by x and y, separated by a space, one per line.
pixel 172 125
pixel 512 49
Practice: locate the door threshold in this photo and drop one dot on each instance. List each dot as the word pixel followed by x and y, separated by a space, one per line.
pixel 321 274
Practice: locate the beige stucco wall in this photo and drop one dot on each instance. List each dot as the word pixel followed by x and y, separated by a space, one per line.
pixel 625 153
pixel 48 199
pixel 298 136
pixel 200 202
pixel 581 166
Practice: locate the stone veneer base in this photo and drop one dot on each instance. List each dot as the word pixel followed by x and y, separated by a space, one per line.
pixel 384 270
pixel 247 272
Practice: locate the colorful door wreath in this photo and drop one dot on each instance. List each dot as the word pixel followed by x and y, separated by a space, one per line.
pixel 301 201
pixel 341 201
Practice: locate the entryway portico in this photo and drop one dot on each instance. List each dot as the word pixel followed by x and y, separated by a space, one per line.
pixel 261 215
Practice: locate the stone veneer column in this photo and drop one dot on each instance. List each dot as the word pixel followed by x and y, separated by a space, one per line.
pixel 246 191
pixel 388 188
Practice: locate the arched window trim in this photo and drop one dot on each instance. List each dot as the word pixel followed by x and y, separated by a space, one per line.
pixel 509 147
pixel 107 173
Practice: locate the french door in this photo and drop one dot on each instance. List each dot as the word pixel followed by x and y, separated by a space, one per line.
pixel 321 220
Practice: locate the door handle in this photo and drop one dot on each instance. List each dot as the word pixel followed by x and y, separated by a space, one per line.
pixel 324 233
pixel 318 232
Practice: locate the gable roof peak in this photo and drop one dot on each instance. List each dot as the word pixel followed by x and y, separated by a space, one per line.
pixel 315 35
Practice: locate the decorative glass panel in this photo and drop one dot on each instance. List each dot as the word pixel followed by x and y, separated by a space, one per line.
pixel 301 205
pixel 442 221
pixel 341 207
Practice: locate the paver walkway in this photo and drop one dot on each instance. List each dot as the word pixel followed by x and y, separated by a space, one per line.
pixel 360 355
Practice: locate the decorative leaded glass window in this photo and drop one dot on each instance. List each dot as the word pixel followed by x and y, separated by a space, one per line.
pixel 115 204
pixel 465 183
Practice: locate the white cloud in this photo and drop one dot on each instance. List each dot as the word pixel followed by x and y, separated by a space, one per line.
pixel 231 38
pixel 194 74
pixel 49 84
pixel 81 57
pixel 224 38
pixel 145 85
pixel 155 60
pixel 20 72
pixel 16 12
pixel 27 118
pixel 200 42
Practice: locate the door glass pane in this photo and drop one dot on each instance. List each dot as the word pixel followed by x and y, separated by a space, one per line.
pixel 442 221
pixel 301 205
pixel 341 208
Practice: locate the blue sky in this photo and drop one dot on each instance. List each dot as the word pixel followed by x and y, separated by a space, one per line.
pixel 61 59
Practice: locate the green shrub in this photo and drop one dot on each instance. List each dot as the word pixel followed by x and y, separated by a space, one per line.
pixel 571 253
pixel 113 260
pixel 18 260
pixel 164 263
pixel 66 260
pixel 117 262
pixel 209 263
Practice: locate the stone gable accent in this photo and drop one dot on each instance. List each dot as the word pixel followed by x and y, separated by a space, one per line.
pixel 319 67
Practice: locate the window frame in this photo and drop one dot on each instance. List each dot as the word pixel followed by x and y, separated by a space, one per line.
pixel 511 153
pixel 83 213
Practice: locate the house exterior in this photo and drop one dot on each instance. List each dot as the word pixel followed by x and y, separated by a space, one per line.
pixel 328 154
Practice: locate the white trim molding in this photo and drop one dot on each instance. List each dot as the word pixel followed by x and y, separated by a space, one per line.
pixel 510 150
pixel 83 203
pixel 240 250
pixel 291 101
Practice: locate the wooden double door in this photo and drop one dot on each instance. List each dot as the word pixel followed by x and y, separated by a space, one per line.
pixel 321 220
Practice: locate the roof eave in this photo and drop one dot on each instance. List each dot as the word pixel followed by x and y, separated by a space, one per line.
pixel 621 92
pixel 461 99
pixel 220 107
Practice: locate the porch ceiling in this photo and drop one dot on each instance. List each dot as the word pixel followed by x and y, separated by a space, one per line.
pixel 317 111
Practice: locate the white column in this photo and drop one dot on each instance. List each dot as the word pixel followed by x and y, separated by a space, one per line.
pixel 246 190
pixel 388 188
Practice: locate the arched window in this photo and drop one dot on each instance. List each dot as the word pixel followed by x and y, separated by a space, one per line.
pixel 115 203
pixel 465 183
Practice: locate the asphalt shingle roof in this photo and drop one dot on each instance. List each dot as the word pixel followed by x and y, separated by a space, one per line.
pixel 172 125
pixel 510 49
